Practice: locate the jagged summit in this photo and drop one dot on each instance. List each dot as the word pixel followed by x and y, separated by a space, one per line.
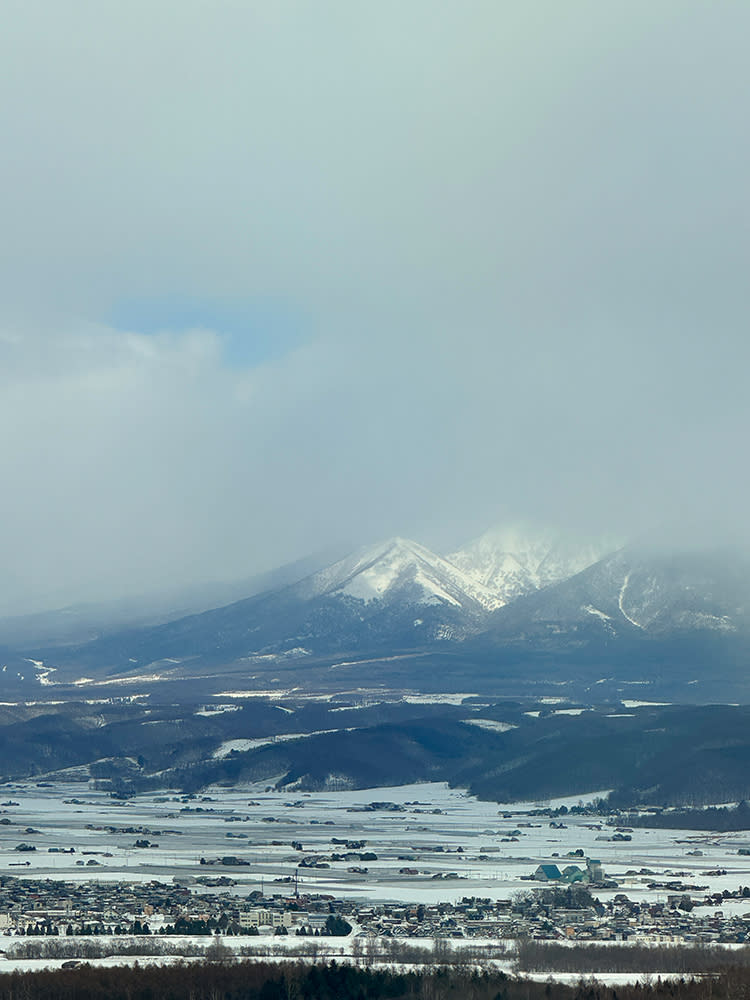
pixel 401 569
pixel 509 598
pixel 514 560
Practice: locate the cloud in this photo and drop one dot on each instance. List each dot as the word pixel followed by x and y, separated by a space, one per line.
pixel 515 237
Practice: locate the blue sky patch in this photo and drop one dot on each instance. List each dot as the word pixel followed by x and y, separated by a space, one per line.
pixel 252 332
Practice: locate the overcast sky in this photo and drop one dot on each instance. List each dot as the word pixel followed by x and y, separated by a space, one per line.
pixel 279 275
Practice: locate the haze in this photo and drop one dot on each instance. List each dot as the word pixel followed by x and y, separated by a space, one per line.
pixel 279 276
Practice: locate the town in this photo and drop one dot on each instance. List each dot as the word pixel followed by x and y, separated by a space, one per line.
pixel 419 869
pixel 556 910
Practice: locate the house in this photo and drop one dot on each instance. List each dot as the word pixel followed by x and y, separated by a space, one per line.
pixel 547 873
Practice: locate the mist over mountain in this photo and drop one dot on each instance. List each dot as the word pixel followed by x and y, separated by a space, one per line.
pixel 385 273
pixel 84 622
pixel 516 666
pixel 513 608
pixel 399 285
pixel 641 590
pixel 394 594
pixel 517 560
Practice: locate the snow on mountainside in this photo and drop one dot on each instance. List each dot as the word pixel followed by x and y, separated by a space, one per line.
pixel 401 570
pixel 514 561
pixel 398 596
pixel 391 596
pixel 642 591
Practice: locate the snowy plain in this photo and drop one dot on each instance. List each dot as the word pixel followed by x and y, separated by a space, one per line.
pixel 458 845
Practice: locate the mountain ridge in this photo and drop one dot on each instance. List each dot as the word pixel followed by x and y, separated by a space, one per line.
pixel 632 611
pixel 513 560
pixel 638 590
pixel 371 573
pixel 396 594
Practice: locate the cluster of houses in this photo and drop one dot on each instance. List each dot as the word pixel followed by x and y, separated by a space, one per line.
pixel 678 919
pixel 562 907
pixel 555 913
pixel 49 907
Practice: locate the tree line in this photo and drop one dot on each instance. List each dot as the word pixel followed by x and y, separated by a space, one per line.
pixel 723 819
pixel 341 981
pixel 551 956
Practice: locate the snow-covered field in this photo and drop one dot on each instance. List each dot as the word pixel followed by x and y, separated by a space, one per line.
pixel 458 845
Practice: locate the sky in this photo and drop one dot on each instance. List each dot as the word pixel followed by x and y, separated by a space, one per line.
pixel 276 277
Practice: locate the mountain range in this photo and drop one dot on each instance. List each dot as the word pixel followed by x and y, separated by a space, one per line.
pixel 505 602
pixel 394 595
pixel 495 666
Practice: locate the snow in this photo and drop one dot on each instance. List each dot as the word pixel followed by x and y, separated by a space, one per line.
pixel 620 600
pixel 374 582
pixel 377 659
pixel 490 724
pixel 228 746
pixel 448 698
pixel 260 693
pixel 513 560
pixel 212 710
pixel 630 703
pixel 374 573
pixel 697 619
pixel 43 672
pixel 224 749
pixel 432 822
pixel 606 978
pixel 595 611
pixel 130 679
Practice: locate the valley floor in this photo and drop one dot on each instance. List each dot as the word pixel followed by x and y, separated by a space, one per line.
pixel 417 866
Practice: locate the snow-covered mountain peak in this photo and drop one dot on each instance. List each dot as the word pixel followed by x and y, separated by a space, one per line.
pixel 401 568
pixel 513 560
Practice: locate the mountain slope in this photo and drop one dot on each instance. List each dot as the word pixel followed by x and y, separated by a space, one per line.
pixel 640 590
pixel 518 560
pixel 400 569
pixel 635 617
pixel 395 595
pixel 80 623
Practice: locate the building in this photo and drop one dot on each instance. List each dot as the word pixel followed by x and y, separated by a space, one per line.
pixel 547 873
